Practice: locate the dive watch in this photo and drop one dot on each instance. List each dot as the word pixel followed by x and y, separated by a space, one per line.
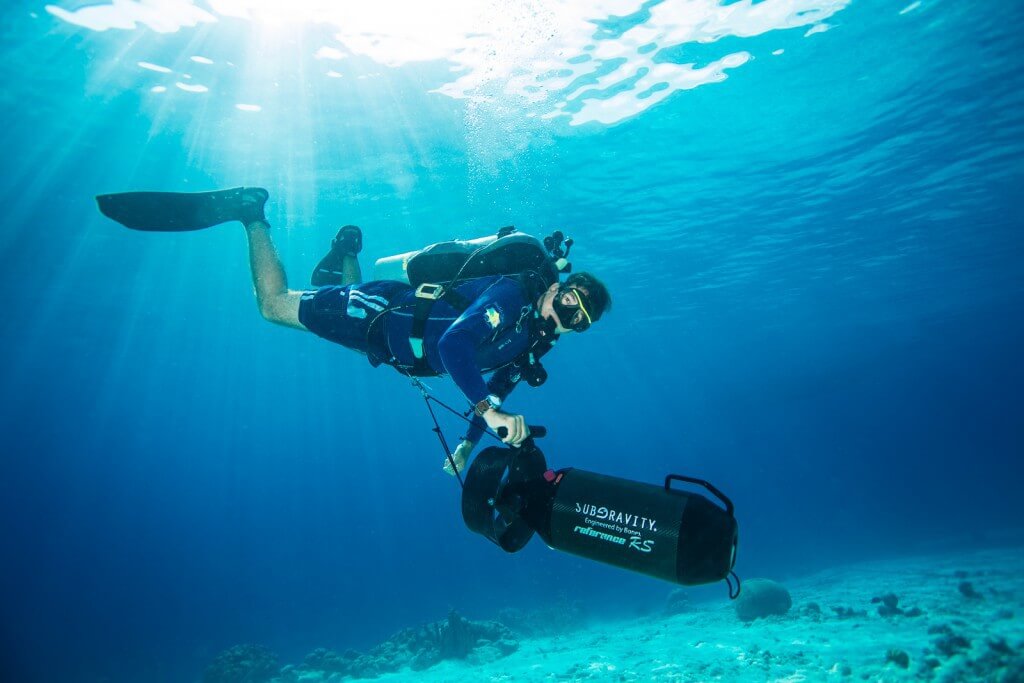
pixel 486 404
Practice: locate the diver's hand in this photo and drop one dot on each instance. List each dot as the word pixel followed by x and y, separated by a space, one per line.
pixel 515 424
pixel 460 456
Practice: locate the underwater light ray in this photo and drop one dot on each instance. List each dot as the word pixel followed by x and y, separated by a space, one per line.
pixel 199 137
pixel 274 146
pixel 54 151
pixel 106 76
pixel 502 52
pixel 138 316
pixel 165 103
pixel 413 136
pixel 203 37
pixel 51 150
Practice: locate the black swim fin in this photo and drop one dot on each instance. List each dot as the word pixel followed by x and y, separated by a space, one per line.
pixel 183 211
pixel 349 242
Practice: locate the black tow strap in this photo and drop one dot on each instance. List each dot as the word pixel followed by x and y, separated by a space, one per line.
pixel 733 594
pixel 427 399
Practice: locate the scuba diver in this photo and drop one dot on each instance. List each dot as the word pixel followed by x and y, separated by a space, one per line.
pixel 465 326
pixel 493 305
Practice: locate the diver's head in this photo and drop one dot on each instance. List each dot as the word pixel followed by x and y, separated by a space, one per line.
pixel 577 303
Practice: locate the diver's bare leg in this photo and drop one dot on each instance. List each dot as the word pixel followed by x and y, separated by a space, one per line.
pixel 351 273
pixel 276 302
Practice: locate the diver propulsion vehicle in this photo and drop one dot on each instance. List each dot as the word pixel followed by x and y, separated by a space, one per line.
pixel 510 494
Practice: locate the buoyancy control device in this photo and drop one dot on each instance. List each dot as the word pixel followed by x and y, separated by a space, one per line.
pixel 509 252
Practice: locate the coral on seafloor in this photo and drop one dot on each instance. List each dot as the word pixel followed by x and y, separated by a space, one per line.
pixel 478 642
pixel 898 620
pixel 329 661
pixel 889 607
pixel 762 598
pixel 561 616
pixel 242 664
pixel 966 589
pixel 899 658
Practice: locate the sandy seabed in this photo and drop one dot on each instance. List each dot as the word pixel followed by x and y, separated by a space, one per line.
pixel 962 620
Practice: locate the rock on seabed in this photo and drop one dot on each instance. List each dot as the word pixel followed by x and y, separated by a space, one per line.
pixel 762 598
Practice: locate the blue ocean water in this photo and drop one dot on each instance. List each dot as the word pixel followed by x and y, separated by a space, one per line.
pixel 807 212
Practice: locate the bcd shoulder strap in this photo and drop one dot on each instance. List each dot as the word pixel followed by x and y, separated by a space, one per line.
pixel 428 294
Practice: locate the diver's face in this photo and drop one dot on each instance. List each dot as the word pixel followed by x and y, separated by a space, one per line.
pixel 569 303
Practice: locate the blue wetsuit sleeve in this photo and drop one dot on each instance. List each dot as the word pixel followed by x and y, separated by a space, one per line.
pixel 501 385
pixel 495 309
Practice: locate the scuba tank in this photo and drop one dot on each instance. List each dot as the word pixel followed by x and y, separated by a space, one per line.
pixel 510 494
pixel 509 252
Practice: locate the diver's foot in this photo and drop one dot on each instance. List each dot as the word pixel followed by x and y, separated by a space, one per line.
pixel 349 241
pixel 460 462
pixel 253 199
pixel 330 270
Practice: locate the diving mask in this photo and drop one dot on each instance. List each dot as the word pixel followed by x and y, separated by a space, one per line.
pixel 571 306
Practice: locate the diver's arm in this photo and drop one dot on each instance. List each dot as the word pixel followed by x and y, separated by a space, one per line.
pixel 458 349
pixel 501 385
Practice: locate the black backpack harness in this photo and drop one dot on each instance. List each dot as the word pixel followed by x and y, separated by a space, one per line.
pixel 541 337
